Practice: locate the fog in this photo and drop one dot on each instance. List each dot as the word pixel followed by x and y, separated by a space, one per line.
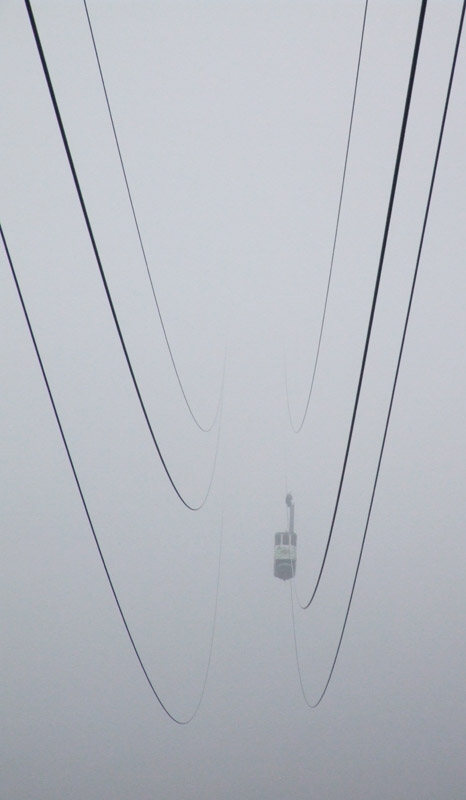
pixel 232 119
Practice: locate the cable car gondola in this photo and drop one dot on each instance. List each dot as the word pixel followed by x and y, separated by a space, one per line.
pixel 285 548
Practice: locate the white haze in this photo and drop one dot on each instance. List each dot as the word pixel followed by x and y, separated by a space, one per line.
pixel 233 119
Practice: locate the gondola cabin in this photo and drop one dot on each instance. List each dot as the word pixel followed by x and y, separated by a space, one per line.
pixel 284 560
pixel 285 555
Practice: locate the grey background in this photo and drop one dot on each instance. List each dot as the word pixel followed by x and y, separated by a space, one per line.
pixel 233 120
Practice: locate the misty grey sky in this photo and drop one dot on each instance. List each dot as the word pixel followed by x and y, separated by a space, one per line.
pixel 232 119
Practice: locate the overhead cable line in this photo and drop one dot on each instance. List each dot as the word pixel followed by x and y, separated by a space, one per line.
pixel 91 524
pixel 208 428
pixel 397 371
pixel 298 428
pixel 53 98
pixel 376 289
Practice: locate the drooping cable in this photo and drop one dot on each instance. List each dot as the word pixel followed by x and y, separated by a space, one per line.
pixel 296 651
pixel 53 98
pixel 91 524
pixel 298 428
pixel 376 289
pixel 397 371
pixel 207 428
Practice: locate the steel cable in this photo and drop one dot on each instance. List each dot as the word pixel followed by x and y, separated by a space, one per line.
pixel 53 98
pixel 92 527
pixel 376 289
pixel 397 371
pixel 208 428
pixel 299 427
